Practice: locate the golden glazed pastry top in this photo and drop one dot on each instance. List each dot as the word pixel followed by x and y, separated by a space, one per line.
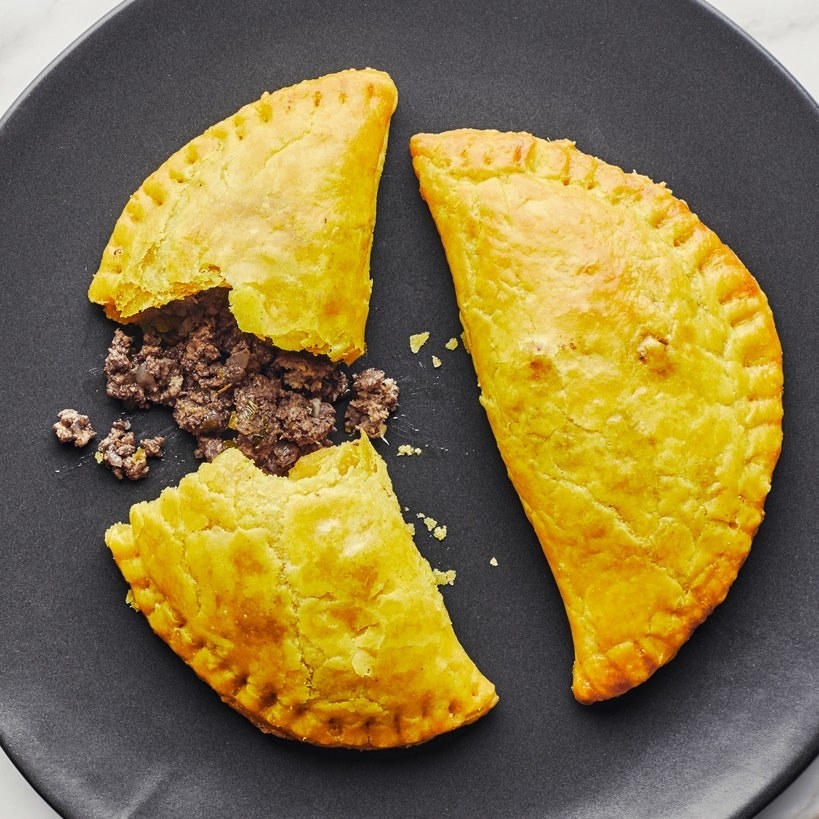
pixel 276 202
pixel 631 373
pixel 302 601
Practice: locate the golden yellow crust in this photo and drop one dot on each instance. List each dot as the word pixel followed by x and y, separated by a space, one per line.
pixel 276 202
pixel 302 601
pixel 632 375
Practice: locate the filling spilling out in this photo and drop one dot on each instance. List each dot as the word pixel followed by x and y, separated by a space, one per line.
pixel 228 388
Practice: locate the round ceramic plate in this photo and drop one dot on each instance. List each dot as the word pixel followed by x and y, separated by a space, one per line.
pixel 99 714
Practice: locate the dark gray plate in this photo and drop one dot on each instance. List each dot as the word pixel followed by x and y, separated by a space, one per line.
pixel 101 716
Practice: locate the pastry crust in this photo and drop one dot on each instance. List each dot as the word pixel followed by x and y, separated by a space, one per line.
pixel 302 601
pixel 631 373
pixel 276 202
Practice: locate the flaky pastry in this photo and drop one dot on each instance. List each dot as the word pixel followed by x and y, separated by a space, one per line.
pixel 632 376
pixel 276 202
pixel 303 600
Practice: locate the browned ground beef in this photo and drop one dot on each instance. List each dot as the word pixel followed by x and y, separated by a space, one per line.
pixel 73 427
pixel 375 398
pixel 229 388
pixel 120 452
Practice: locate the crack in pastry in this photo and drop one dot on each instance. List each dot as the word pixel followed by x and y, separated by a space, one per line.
pixel 632 376
pixel 302 600
pixel 277 203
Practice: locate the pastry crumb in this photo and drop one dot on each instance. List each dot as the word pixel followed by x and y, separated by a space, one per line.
pixel 446 578
pixel 408 449
pixel 436 362
pixel 452 344
pixel 438 531
pixel 418 340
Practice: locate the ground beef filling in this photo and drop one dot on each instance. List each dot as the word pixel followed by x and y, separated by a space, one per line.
pixel 73 427
pixel 120 452
pixel 374 397
pixel 229 388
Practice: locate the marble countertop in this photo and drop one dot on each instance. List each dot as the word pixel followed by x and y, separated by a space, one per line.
pixel 34 32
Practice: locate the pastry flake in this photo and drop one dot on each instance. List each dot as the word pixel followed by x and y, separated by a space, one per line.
pixel 631 373
pixel 276 202
pixel 302 600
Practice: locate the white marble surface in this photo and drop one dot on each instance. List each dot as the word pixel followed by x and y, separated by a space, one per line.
pixel 34 32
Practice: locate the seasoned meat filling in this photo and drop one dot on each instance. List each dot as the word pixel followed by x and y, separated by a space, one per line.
pixel 375 398
pixel 73 427
pixel 120 452
pixel 229 388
